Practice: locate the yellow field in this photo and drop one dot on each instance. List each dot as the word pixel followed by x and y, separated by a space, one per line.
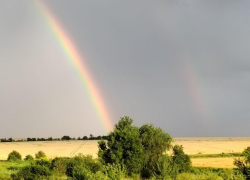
pixel 213 145
pixel 51 148
pixel 191 146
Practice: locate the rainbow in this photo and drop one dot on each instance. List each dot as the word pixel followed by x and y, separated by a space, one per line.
pixel 78 62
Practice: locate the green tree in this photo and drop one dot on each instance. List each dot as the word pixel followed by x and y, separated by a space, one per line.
pixel 14 156
pixel 155 142
pixel 180 159
pixel 123 146
pixel 243 163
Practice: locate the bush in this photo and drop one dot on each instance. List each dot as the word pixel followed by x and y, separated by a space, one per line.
pixel 243 164
pixel 40 154
pixel 32 172
pixel 189 176
pixel 82 173
pixel 43 162
pixel 14 156
pixel 115 172
pixel 87 162
pixel 29 158
pixel 181 160
pixel 59 165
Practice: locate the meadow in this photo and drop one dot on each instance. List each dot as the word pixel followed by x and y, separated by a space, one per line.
pixel 204 152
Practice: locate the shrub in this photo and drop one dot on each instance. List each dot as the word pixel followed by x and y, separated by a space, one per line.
pixel 29 158
pixel 82 173
pixel 81 161
pixel 115 171
pixel 59 165
pixel 180 159
pixel 40 154
pixel 32 172
pixel 14 156
pixel 243 164
pixel 43 162
pixel 189 176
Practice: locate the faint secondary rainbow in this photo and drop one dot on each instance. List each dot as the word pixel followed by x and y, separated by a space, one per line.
pixel 78 61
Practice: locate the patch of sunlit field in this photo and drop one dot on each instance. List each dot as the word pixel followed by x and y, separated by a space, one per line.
pixel 213 145
pixel 51 148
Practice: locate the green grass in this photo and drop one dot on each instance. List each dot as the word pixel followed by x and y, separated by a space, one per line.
pixel 215 155
pixel 7 168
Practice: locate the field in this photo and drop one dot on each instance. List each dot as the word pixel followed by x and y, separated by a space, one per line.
pixel 192 146
pixel 213 145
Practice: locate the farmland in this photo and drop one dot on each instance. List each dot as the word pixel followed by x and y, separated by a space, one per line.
pixel 200 147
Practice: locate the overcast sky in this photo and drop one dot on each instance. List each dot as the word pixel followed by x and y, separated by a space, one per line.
pixel 181 65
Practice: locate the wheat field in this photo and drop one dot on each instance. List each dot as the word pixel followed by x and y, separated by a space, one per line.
pixel 197 145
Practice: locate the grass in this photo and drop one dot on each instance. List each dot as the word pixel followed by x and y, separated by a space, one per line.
pixel 215 155
pixel 8 168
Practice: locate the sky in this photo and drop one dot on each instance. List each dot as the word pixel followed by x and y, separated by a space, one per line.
pixel 182 66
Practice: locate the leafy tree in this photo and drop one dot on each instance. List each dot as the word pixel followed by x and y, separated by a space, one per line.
pixel 40 154
pixel 141 150
pixel 243 164
pixel 91 137
pixel 66 138
pixel 14 156
pixel 85 138
pixel 155 142
pixel 181 160
pixel 123 146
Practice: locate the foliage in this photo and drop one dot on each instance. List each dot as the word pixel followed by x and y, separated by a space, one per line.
pixel 87 162
pixel 40 154
pixel 14 156
pixel 215 155
pixel 181 159
pixel 9 167
pixel 139 150
pixel 243 164
pixel 31 172
pixel 31 139
pixel 66 138
pixel 43 161
pixel 83 173
pixel 225 174
pixel 155 142
pixel 115 171
pixel 29 158
pixel 59 165
pixel 123 146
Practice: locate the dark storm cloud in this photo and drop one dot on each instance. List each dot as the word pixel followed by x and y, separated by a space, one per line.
pixel 137 52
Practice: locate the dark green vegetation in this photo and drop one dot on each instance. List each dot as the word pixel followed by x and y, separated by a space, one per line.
pixel 243 163
pixel 130 153
pixel 215 155
pixel 40 154
pixel 14 156
pixel 91 137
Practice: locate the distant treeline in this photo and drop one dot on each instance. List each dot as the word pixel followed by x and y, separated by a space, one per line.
pixel 91 137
